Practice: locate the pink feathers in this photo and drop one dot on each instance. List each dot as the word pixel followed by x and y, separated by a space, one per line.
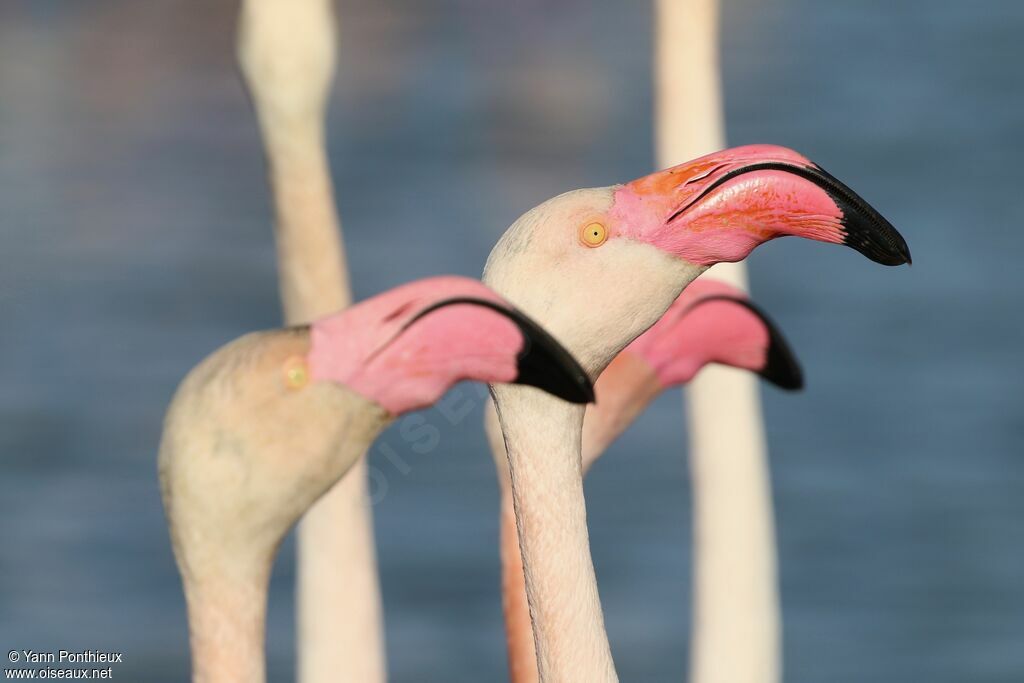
pixel 373 349
pixel 403 349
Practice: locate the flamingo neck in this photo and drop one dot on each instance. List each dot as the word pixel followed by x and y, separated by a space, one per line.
pixel 227 615
pixel 289 79
pixel 623 391
pixel 311 255
pixel 522 656
pixel 542 436
pixel 735 595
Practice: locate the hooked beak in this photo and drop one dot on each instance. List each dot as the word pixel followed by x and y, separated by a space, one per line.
pixel 721 206
pixel 781 367
pixel 543 362
pixel 864 229
pixel 867 231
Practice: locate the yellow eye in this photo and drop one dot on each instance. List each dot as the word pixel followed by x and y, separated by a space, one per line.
pixel 296 374
pixel 593 235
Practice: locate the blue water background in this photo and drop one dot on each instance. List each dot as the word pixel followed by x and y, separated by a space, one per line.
pixel 135 237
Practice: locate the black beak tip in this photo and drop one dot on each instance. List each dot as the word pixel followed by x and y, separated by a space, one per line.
pixel 546 372
pixel 781 367
pixel 876 239
pixel 543 362
pixel 864 228
pixel 547 365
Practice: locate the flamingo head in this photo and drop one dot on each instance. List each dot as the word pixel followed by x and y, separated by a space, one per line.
pixel 714 322
pixel 711 322
pixel 403 349
pixel 597 267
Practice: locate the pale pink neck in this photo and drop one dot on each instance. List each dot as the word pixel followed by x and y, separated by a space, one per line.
pixel 311 255
pixel 227 616
pixel 522 655
pixel 543 438
pixel 624 390
pixel 286 51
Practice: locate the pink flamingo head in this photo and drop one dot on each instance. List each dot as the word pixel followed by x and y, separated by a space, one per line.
pixel 599 266
pixel 720 206
pixel 711 322
pixel 714 322
pixel 404 348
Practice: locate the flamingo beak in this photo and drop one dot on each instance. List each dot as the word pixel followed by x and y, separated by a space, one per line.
pixel 864 229
pixel 542 362
pixel 781 367
pixel 721 206
pixel 545 364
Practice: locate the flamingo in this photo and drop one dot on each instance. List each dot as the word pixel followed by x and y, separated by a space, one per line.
pixel 735 595
pixel 269 422
pixel 286 51
pixel 598 267
pixel 711 322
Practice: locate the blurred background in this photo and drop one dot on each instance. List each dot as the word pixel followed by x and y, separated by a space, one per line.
pixel 135 238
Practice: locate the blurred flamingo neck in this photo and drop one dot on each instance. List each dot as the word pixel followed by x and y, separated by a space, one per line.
pixel 227 620
pixel 311 256
pixel 623 391
pixel 542 434
pixel 288 80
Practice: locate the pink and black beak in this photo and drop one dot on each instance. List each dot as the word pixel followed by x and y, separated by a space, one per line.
pixel 781 367
pixel 721 206
pixel 864 229
pixel 542 362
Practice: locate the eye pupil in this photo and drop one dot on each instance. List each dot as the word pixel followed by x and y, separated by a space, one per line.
pixel 593 234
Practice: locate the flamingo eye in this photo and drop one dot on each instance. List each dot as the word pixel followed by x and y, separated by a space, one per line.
pixel 593 234
pixel 296 373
